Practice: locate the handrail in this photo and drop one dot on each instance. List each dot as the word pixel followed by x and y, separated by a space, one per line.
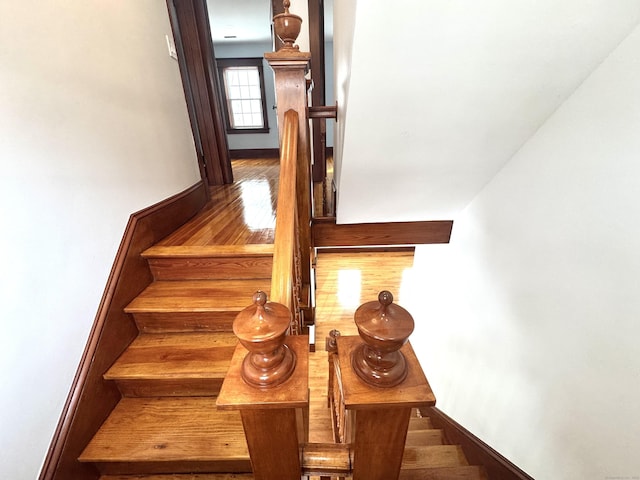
pixel 285 243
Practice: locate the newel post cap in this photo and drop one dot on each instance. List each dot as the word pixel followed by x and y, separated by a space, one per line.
pixel 261 329
pixel 384 327
pixel 287 27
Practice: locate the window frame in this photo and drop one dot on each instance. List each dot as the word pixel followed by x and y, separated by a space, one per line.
pixel 224 63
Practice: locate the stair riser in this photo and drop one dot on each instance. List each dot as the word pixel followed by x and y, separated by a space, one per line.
pixel 224 268
pixel 170 388
pixel 424 437
pixel 168 322
pixel 144 468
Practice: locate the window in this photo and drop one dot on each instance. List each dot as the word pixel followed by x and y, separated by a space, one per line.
pixel 243 89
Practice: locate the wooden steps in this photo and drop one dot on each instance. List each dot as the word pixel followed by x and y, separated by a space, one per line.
pixel 469 472
pixel 193 305
pixel 183 476
pixel 210 262
pixel 428 457
pixel 168 434
pixel 174 364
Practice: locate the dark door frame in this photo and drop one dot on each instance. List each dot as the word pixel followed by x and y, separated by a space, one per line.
pixel 192 36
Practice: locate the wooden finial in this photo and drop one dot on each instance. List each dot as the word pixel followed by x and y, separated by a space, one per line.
pixel 385 327
pixel 261 329
pixel 287 27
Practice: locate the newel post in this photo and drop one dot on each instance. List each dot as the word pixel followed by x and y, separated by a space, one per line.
pixel 382 381
pixel 290 66
pixel 267 382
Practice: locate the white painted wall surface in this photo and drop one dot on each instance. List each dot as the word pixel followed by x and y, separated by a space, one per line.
pixel 344 23
pixel 442 93
pixel 93 126
pixel 527 323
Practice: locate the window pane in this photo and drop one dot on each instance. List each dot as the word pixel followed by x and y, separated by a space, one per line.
pixel 252 77
pixel 234 92
pixel 232 76
pixel 254 91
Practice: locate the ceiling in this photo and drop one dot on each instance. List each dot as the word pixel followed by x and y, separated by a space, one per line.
pixel 248 21
pixel 436 96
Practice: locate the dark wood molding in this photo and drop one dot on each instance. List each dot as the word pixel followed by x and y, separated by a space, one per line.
pixel 318 94
pixel 92 398
pixel 192 36
pixel 248 153
pixel 276 9
pixel 476 451
pixel 323 111
pixel 326 233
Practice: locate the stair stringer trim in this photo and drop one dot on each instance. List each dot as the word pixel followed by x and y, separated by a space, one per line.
pixel 91 398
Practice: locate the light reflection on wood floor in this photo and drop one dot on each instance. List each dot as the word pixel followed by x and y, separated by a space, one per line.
pixel 343 282
pixel 238 214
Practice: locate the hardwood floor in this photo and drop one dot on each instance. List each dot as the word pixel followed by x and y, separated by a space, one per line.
pixel 343 282
pixel 237 214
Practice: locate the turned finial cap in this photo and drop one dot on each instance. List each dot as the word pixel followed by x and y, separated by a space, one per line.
pixel 262 322
pixel 287 27
pixel 384 321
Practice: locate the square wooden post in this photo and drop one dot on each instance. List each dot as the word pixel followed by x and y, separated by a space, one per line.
pixel 275 420
pixel 380 414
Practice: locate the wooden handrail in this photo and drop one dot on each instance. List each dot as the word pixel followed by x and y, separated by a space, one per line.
pixel 284 251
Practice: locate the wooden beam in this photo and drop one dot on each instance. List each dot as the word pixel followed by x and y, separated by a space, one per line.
pixel 196 58
pixel 326 233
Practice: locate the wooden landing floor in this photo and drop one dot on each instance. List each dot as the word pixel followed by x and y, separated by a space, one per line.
pixel 238 214
pixel 244 213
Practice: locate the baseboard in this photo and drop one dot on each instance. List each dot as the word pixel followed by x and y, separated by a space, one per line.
pixel 91 398
pixel 249 153
pixel 476 451
pixel 326 233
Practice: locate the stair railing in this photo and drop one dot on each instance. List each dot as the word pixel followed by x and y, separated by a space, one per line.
pixel 292 279
pixel 286 278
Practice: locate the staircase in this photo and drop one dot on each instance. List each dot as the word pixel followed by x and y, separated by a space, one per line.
pixel 166 426
pixel 427 456
pixel 167 421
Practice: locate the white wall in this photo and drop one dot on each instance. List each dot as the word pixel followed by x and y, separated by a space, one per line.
pixel 444 92
pixel 93 126
pixel 344 23
pixel 240 141
pixel 527 323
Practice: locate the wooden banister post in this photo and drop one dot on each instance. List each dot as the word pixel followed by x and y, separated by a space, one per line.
pixel 268 383
pixel 290 67
pixel 381 382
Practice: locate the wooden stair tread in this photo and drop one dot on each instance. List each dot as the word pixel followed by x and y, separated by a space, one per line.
pixel 191 251
pixel 196 296
pixel 468 472
pixel 175 355
pixel 183 476
pixel 433 456
pixel 168 429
